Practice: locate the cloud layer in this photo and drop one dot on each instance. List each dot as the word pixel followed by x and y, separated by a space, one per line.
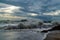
pixel 8 11
pixel 30 8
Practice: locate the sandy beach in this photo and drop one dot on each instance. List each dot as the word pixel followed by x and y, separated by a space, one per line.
pixel 54 35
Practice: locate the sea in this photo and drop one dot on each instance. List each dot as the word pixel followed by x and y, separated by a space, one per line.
pixel 23 34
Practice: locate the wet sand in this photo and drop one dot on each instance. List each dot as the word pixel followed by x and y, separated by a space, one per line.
pixel 54 35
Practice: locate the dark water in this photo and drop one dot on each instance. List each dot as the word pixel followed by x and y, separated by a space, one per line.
pixel 22 35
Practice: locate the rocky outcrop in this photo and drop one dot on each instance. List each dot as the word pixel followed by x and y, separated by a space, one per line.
pixel 54 28
pixel 20 26
pixel 10 27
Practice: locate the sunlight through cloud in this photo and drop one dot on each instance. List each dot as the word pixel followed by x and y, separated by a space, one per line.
pixel 9 9
pixel 32 14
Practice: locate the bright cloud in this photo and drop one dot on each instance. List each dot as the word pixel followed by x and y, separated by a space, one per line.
pixel 8 16
pixel 9 9
pixel 55 13
pixel 32 14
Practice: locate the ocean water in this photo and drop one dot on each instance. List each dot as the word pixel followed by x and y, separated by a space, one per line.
pixel 22 35
pixel 2 25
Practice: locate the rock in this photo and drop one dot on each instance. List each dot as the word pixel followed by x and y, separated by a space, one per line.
pixel 54 28
pixel 10 27
pixel 24 20
pixel 44 31
pixel 53 36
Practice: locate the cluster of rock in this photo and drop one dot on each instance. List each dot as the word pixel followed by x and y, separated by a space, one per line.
pixel 57 27
pixel 25 24
pixel 22 26
pixel 54 33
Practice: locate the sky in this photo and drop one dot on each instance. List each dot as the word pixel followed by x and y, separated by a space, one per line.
pixel 38 9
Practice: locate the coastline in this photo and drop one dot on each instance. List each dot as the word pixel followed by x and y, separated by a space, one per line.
pixel 53 35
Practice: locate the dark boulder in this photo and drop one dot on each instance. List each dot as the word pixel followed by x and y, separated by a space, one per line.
pixel 10 27
pixel 24 20
pixel 44 31
pixel 54 28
